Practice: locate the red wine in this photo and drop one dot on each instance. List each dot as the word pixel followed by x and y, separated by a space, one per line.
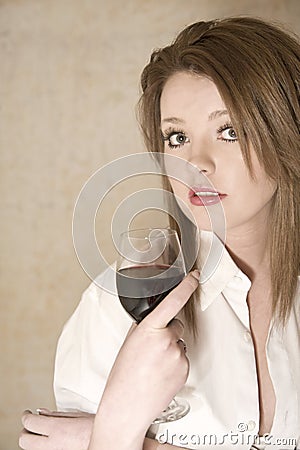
pixel 142 288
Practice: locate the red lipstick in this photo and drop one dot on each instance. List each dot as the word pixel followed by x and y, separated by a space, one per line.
pixel 205 196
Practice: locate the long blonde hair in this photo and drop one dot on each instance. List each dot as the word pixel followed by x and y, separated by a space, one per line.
pixel 256 68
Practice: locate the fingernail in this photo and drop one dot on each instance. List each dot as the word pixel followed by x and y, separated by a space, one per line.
pixel 196 274
pixel 42 410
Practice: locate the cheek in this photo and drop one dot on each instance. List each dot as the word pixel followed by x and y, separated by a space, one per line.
pixel 181 193
pixel 263 187
pixel 270 189
pixel 200 216
pixel 252 199
pixel 180 189
pixel 262 182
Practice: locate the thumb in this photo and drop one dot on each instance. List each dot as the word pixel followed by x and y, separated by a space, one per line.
pixel 173 303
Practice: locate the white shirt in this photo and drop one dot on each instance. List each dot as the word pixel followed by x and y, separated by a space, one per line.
pixel 222 386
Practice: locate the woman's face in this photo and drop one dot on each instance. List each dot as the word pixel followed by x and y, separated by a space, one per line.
pixel 197 128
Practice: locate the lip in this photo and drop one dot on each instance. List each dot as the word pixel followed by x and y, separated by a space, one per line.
pixel 206 199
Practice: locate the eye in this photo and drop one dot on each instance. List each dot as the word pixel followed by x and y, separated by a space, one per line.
pixel 227 133
pixel 175 139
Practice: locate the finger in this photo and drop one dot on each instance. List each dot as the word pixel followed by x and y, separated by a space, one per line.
pixel 36 423
pixel 177 328
pixel 29 441
pixel 26 419
pixel 68 414
pixel 173 303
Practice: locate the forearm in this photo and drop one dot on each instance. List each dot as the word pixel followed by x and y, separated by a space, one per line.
pixel 115 429
pixel 122 435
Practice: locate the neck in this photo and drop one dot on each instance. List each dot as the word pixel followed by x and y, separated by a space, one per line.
pixel 250 251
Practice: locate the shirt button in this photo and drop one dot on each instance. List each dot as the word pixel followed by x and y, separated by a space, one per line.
pixel 251 425
pixel 247 336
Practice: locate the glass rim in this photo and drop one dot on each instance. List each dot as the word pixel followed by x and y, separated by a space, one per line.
pixel 135 230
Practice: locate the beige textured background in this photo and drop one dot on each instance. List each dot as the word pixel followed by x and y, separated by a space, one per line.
pixel 68 88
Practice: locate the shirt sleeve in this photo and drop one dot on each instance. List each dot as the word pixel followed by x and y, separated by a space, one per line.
pixel 87 348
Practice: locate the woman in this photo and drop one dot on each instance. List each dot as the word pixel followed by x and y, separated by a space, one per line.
pixel 225 98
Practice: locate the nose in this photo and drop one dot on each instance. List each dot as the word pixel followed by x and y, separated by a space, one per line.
pixel 203 160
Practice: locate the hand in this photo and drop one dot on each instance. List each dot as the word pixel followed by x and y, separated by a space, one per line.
pixel 53 430
pixel 150 369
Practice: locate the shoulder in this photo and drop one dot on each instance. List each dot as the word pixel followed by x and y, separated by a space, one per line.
pixel 294 317
pixel 104 285
pixel 88 345
pixel 101 291
pixel 100 306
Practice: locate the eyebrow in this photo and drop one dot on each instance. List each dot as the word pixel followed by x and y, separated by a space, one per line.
pixel 217 114
pixel 212 116
pixel 173 120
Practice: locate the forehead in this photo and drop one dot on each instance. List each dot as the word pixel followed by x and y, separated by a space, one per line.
pixel 186 93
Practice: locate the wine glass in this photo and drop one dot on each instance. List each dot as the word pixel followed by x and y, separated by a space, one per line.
pixel 149 266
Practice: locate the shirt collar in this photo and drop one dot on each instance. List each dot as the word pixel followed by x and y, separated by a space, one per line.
pixel 217 269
